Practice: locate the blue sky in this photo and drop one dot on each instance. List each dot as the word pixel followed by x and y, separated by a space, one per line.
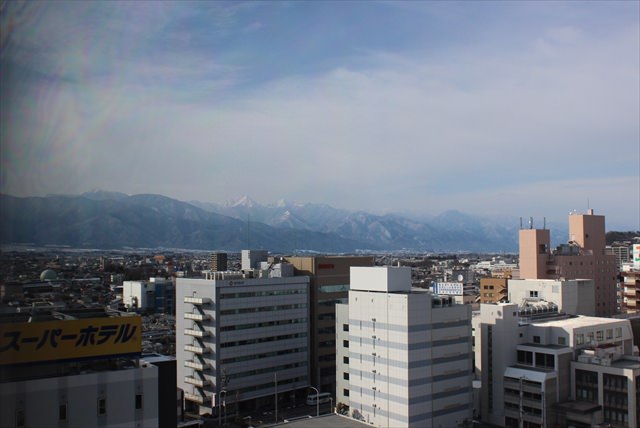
pixel 518 108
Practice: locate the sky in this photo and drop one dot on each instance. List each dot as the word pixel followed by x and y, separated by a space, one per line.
pixel 511 108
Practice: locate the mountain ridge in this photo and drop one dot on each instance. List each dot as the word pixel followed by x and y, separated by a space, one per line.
pixel 113 220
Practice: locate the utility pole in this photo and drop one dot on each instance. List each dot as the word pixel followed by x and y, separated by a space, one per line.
pixel 275 380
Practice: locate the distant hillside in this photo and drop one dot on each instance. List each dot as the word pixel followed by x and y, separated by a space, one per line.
pixel 144 221
pixel 114 220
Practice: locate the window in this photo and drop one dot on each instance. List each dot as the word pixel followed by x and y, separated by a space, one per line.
pixel 62 412
pixel 345 376
pixel 345 327
pixel 102 406
pixel 619 332
pixel 536 339
pixel 562 341
pixel 579 339
pixel 138 401
pixel 345 360
pixel 345 343
pixel 20 421
pixel 533 293
pixel 525 357
pixel 609 333
pixel 345 392
pixel 599 335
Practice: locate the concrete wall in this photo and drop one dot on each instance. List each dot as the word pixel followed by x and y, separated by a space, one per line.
pixel 384 279
pixel 41 399
pixel 575 297
pixel 342 352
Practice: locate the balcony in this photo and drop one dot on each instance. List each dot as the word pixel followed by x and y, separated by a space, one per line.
pixel 201 383
pixel 197 398
pixel 197 365
pixel 196 333
pixel 196 317
pixel 197 300
pixel 200 350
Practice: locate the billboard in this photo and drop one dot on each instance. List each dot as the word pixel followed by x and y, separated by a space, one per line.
pixel 69 339
pixel 450 288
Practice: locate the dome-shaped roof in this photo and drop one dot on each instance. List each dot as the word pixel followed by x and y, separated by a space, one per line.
pixel 48 275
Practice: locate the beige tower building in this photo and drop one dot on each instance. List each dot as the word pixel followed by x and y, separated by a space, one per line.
pixel 583 257
pixel 329 284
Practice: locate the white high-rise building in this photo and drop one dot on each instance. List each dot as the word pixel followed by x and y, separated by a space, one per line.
pixel 238 334
pixel 404 355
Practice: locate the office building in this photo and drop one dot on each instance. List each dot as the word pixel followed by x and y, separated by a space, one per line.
pixel 157 295
pixel 541 368
pixel 329 284
pixel 622 251
pixel 241 335
pixel 251 259
pixel 493 290
pixel 583 257
pixel 76 368
pixel 218 262
pixel 631 291
pixel 406 353
pixel 571 296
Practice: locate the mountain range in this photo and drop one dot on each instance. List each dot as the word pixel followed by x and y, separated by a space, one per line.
pixel 108 220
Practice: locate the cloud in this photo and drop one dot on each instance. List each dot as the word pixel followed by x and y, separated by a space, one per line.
pixel 161 104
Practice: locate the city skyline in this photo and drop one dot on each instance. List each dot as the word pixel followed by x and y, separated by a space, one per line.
pixel 511 108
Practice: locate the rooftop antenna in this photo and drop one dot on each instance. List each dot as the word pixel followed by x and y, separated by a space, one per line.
pixel 248 231
pixel 520 223
pixel 530 222
pixel 544 223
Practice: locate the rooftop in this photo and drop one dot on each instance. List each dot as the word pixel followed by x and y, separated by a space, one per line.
pixel 579 321
pixel 332 420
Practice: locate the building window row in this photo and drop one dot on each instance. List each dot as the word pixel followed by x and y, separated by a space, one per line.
pixel 614 382
pixel 263 293
pixel 263 324
pixel 270 385
pixel 327 357
pixel 276 369
pixel 262 340
pixel 262 309
pixel 598 335
pixel 333 288
pixel 264 355
pixel 331 302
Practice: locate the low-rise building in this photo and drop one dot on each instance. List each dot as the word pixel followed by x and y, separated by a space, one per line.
pixel 543 368
pixel 76 368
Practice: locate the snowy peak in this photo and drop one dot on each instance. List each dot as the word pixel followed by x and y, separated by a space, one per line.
pixel 245 202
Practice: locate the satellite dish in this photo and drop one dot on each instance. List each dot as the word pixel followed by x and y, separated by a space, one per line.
pixel 460 277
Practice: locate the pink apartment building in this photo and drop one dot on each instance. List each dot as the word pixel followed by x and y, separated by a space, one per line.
pixel 583 257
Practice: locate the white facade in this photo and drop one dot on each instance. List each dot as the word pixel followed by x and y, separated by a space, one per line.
pixel 138 294
pixel 409 362
pixel 250 259
pixel 574 296
pixel 105 398
pixel 233 335
pixel 518 351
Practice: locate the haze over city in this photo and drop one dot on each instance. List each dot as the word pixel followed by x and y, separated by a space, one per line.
pixel 518 108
